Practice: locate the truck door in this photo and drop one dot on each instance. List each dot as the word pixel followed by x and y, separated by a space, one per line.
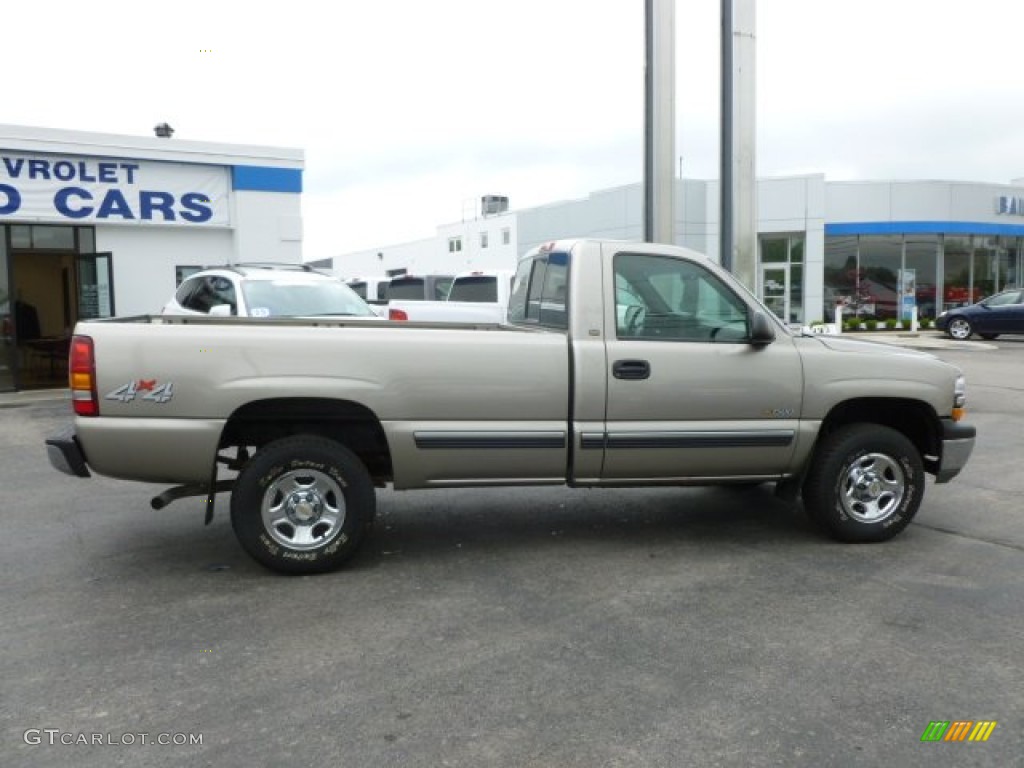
pixel 688 395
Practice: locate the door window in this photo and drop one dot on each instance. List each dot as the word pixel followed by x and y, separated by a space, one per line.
pixel 667 299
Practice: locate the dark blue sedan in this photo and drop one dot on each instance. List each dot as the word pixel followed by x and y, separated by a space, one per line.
pixel 1001 313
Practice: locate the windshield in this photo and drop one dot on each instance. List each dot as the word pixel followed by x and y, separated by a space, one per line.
pixel 284 298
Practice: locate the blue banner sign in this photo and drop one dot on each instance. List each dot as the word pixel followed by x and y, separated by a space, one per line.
pixel 69 189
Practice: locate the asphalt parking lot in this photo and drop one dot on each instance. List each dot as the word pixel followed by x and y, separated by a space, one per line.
pixel 538 627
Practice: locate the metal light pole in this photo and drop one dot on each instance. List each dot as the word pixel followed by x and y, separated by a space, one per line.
pixel 738 212
pixel 659 120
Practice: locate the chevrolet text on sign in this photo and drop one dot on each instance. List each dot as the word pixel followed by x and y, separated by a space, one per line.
pixel 69 189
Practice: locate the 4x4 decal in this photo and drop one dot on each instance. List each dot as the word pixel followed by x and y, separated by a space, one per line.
pixel 145 389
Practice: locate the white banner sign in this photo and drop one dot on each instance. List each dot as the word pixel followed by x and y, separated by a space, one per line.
pixel 75 189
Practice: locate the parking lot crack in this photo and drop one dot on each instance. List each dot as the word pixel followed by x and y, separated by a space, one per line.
pixel 984 539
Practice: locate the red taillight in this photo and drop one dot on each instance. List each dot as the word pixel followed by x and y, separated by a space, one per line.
pixel 397 314
pixel 82 377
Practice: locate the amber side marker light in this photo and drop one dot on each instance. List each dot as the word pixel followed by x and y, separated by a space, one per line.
pixel 82 377
pixel 959 398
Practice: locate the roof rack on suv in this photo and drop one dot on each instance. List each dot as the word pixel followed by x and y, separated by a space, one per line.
pixel 243 265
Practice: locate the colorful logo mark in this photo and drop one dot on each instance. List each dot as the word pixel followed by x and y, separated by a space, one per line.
pixel 959 730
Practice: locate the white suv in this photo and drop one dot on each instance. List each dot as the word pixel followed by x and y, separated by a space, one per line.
pixel 266 290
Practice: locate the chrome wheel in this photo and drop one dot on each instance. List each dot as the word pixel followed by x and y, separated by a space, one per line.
pixel 303 509
pixel 873 488
pixel 959 328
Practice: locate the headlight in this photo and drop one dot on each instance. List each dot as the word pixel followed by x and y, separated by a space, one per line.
pixel 959 397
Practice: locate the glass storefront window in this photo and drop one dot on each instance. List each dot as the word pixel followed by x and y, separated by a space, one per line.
pixel 841 276
pixel 921 257
pixel 956 271
pixel 1012 245
pixel 21 236
pixel 55 238
pixel 774 251
pixel 880 260
pixel 86 240
pixel 796 293
pixel 7 349
pixel 986 267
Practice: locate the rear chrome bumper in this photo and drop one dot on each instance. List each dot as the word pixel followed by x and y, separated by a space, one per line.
pixel 957 444
pixel 65 453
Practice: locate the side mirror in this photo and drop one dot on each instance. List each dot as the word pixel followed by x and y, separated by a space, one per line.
pixel 761 330
pixel 220 310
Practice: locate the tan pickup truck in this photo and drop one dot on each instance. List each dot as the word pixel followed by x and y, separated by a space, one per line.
pixel 622 364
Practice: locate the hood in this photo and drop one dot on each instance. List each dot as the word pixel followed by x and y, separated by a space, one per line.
pixel 839 344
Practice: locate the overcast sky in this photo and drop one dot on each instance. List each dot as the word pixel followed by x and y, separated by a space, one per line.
pixel 408 110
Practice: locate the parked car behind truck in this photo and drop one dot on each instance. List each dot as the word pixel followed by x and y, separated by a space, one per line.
pixel 419 287
pixel 475 297
pixel 265 290
pixel 621 364
pixel 1001 313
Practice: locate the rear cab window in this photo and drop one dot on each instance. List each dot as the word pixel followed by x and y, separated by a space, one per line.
pixel 475 288
pixel 407 289
pixel 540 291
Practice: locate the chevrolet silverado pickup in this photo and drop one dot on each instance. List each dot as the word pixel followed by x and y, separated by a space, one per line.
pixel 620 364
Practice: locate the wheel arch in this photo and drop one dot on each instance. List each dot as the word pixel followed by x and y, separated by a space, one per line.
pixel 347 422
pixel 915 419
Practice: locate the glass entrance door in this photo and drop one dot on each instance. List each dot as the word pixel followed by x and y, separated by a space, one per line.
pixel 775 289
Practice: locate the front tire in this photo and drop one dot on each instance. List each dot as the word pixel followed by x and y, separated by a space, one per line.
pixel 959 328
pixel 302 505
pixel 865 484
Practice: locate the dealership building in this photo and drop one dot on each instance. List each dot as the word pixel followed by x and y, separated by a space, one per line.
pixel 96 225
pixel 876 248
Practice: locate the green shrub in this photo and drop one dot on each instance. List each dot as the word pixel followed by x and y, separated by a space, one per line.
pixel 890 323
pixel 871 324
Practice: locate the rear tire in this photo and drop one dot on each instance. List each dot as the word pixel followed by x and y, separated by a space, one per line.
pixel 302 505
pixel 865 484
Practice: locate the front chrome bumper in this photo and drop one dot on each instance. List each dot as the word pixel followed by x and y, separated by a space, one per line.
pixel 957 444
